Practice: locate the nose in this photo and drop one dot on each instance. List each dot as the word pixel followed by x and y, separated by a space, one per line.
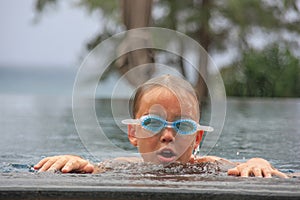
pixel 167 135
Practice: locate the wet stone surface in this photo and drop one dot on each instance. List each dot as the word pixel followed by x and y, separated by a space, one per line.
pixel 143 181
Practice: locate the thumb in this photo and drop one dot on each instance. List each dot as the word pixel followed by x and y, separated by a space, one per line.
pixel 233 171
pixel 89 168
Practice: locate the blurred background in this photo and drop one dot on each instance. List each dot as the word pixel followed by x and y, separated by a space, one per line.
pixel 254 43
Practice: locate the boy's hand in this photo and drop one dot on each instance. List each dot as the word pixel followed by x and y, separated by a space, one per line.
pixel 65 164
pixel 257 167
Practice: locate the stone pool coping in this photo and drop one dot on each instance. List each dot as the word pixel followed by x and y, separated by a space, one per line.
pixel 82 186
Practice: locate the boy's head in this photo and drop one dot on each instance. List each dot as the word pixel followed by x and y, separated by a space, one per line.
pixel 182 89
pixel 170 99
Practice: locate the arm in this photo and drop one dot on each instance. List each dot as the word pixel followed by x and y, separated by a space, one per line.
pixel 71 163
pixel 66 164
pixel 257 167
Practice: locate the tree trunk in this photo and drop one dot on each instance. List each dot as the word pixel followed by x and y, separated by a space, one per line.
pixel 136 14
pixel 205 41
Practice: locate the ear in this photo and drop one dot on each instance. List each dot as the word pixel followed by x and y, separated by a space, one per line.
pixel 131 135
pixel 199 136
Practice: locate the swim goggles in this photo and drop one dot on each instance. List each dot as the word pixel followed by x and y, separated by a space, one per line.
pixel 155 124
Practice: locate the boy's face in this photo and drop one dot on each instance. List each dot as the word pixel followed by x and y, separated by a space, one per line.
pixel 166 146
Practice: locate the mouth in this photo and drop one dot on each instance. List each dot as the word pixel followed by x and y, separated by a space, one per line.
pixel 166 155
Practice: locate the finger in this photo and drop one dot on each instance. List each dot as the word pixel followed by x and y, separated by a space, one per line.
pixel 41 163
pixel 279 174
pixel 89 168
pixel 267 173
pixel 69 166
pixel 47 165
pixel 245 172
pixel 233 172
pixel 79 166
pixel 85 166
pixel 257 172
pixel 74 165
pixel 58 164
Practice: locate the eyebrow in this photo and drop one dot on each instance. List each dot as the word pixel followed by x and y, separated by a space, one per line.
pixel 183 117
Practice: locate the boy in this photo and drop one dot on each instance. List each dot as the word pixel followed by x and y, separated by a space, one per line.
pixel 165 130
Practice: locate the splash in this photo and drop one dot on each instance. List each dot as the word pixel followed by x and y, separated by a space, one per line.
pixel 142 168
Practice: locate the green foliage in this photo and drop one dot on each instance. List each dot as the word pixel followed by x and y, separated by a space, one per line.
pixel 95 5
pixel 273 72
pixel 218 26
pixel 40 5
pixel 210 22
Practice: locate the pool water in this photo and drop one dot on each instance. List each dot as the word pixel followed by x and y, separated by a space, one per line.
pixel 33 127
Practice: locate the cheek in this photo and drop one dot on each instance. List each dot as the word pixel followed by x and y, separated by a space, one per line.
pixel 142 133
pixel 147 145
pixel 186 156
pixel 185 148
pixel 146 141
pixel 185 143
pixel 185 140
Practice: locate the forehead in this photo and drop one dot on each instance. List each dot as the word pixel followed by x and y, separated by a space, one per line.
pixel 172 103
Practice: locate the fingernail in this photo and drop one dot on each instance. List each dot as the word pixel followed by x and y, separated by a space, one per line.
pixel 64 170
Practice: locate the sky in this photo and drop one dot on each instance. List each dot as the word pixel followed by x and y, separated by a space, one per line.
pixel 35 48
pixel 57 39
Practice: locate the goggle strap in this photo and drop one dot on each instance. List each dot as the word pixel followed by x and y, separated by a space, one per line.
pixel 131 121
pixel 205 128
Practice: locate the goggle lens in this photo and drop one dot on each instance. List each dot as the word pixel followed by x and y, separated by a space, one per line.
pixel 156 124
pixel 153 124
pixel 185 126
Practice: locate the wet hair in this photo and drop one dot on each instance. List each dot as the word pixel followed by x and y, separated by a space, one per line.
pixel 176 85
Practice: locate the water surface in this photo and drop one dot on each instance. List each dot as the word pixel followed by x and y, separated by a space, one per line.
pixel 33 127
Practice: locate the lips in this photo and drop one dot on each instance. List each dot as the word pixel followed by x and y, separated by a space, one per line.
pixel 166 155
